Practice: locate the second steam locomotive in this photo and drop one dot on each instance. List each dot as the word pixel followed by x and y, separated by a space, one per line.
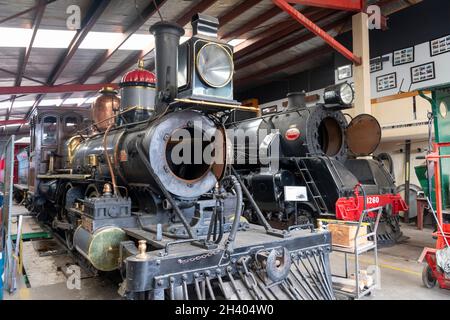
pixel 315 147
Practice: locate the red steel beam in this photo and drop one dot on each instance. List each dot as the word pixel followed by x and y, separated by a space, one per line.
pixel 311 26
pixel 291 43
pixel 9 122
pixel 53 89
pixel 269 14
pixel 199 7
pixel 285 65
pixel 348 5
pixel 236 11
pixel 93 14
pixel 276 33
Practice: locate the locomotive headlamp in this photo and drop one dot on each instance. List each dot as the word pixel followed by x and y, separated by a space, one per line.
pixel 215 65
pixel 339 94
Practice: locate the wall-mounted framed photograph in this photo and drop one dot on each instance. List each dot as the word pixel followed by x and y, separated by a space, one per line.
pixel 423 72
pixel 440 45
pixel 403 56
pixel 344 72
pixel 376 64
pixel 386 82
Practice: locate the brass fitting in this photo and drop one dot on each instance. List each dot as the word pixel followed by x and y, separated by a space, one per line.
pixel 142 248
pixel 93 160
pixel 107 189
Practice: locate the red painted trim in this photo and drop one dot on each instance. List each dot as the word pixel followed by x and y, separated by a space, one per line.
pixel 314 28
pixel 350 209
pixel 430 255
pixel 442 280
pixel 348 5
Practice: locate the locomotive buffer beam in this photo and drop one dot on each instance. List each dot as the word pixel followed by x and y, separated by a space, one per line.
pixel 303 271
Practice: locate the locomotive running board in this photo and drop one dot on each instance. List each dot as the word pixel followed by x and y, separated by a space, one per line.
pixel 214 106
pixel 64 176
pixel 260 267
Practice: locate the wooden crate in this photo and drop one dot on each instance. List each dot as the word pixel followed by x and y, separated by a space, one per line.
pixel 344 234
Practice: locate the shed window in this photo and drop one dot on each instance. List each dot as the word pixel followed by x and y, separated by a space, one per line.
pixel 49 130
pixel 70 124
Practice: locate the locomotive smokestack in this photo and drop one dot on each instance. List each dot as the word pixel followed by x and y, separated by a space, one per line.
pixel 296 100
pixel 167 38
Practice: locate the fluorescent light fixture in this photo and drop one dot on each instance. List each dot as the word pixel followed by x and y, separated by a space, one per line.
pixel 138 42
pixel 5 105
pixel 49 38
pixel 53 38
pixel 90 100
pixel 50 102
pixel 71 101
pixel 100 40
pixel 235 42
pixel 23 103
pixel 14 37
pixel 12 125
pixel 184 39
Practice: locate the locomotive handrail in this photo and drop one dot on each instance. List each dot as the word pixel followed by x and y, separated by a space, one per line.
pixel 260 215
pixel 334 169
pixel 262 117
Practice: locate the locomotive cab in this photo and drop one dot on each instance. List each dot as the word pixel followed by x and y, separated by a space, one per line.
pixel 49 128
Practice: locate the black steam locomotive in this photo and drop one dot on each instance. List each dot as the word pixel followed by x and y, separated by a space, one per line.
pixel 314 147
pixel 119 193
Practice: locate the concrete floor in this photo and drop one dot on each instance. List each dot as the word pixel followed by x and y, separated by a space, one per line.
pixel 400 273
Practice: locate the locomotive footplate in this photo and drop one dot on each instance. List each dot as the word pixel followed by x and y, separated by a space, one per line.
pixel 261 266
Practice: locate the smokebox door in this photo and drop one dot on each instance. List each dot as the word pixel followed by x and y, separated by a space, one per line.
pixel 363 135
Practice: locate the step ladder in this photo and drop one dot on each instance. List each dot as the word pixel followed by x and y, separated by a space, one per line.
pixel 311 187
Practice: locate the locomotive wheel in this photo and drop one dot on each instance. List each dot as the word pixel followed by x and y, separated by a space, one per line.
pixel 427 277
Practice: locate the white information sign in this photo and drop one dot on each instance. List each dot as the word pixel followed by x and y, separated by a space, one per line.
pixel 292 193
